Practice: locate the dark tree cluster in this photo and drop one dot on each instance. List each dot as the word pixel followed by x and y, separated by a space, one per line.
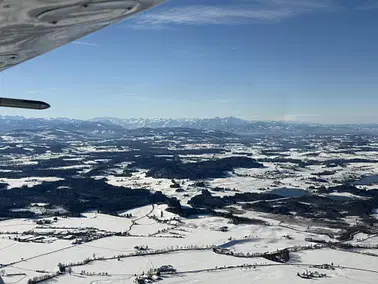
pixel 78 195
pixel 173 169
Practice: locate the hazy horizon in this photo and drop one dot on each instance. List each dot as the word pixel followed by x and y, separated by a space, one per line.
pixel 187 118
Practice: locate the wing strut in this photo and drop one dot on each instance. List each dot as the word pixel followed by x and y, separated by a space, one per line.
pixel 19 103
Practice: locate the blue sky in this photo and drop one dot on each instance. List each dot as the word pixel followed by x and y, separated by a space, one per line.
pixel 304 60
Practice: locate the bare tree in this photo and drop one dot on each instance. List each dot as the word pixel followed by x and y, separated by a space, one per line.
pixel 61 267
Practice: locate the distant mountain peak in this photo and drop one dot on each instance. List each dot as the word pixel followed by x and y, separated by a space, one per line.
pixel 108 125
pixel 216 123
pixel 11 123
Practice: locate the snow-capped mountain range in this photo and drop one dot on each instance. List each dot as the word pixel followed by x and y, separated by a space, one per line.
pixel 227 124
pixel 237 125
pixel 216 123
pixel 10 123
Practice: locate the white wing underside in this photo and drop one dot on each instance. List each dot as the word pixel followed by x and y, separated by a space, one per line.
pixel 29 28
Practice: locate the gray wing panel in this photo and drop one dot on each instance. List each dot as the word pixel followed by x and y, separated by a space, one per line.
pixel 29 28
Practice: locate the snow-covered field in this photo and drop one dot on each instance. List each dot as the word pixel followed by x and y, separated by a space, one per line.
pixel 29 182
pixel 192 265
pixel 201 248
pixel 99 221
pixel 272 176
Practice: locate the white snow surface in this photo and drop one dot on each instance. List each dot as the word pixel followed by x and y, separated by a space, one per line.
pixel 192 265
pixel 29 182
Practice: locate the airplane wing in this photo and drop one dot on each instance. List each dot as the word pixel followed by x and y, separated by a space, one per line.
pixel 29 28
